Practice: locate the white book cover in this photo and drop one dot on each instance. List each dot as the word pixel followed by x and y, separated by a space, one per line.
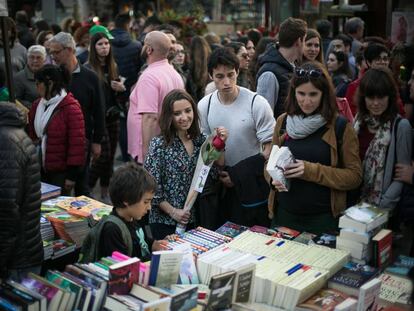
pixel 349 304
pixel 369 295
pixel 279 158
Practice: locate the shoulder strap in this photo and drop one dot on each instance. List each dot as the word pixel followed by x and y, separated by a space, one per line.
pixel 251 107
pixel 208 106
pixel 126 235
pixel 340 125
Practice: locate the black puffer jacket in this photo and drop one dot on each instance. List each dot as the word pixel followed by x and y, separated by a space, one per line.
pixel 271 60
pixel 20 241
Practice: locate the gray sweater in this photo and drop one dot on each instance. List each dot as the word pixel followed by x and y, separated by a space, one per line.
pixel 25 87
pixel 402 148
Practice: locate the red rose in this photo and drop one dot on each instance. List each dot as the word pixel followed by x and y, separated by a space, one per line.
pixel 218 143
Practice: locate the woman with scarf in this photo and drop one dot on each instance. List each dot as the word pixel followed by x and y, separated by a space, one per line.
pixel 321 174
pixel 57 126
pixel 384 138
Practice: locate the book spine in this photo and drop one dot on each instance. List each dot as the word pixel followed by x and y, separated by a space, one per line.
pixel 155 262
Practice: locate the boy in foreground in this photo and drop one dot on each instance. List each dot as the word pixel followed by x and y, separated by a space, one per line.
pixel 131 190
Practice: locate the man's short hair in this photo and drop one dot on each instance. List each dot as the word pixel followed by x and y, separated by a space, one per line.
pixel 222 56
pixel 353 24
pixel 324 27
pixel 121 20
pixel 153 20
pixel 291 30
pixel 129 184
pixel 373 51
pixel 65 39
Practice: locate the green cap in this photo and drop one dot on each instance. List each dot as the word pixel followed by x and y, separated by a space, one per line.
pixel 99 28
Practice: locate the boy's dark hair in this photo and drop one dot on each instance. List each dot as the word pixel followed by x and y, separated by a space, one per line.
pixel 374 50
pixel 59 75
pixel 380 83
pixel 225 57
pixel 347 40
pixel 323 26
pixel 129 184
pixel 291 30
pixel 122 20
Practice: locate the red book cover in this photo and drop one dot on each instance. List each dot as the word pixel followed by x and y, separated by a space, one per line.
pixel 122 276
pixel 382 248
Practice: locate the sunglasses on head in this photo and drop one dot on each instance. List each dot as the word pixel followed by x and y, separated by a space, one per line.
pixel 313 73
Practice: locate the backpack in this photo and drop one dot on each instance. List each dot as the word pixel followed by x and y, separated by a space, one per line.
pixel 90 246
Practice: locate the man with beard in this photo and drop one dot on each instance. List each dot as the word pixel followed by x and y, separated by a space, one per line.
pixel 157 80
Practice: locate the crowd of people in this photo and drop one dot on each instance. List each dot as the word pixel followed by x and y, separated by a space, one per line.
pixel 342 105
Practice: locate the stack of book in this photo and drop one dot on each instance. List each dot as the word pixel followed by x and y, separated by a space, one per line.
pixel 69 227
pixel 46 229
pixel 49 191
pixel 358 225
pixel 86 207
pixel 200 239
pixel 57 248
pixel 395 289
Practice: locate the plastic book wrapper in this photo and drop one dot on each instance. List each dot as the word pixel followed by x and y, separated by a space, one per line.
pixel 279 158
pixel 205 161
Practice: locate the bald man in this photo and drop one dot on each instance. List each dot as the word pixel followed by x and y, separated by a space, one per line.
pixel 157 80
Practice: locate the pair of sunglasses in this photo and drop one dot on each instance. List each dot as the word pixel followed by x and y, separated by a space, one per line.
pixel 313 73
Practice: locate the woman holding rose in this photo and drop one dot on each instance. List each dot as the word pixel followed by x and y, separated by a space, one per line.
pixel 172 159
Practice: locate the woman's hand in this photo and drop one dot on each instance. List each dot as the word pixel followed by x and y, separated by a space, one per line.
pixel 295 170
pixel 181 216
pixel 118 86
pixel 279 186
pixel 222 132
pixel 159 245
pixel 404 173
pixel 69 184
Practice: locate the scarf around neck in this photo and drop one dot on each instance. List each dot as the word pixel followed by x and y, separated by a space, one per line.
pixel 299 127
pixel 43 113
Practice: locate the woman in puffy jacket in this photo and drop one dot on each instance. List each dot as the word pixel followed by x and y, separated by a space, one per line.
pixel 57 125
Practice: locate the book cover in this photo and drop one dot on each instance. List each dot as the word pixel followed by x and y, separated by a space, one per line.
pixel 122 276
pixel 8 305
pixel 351 277
pixel 36 295
pixel 165 268
pixel 57 278
pixel 52 293
pixel 325 239
pixel 382 248
pixel 369 295
pixel 401 266
pixel 18 297
pixel 184 297
pixel 231 229
pixel 323 300
pixel 84 206
pixel 305 238
pixel 49 191
pixel 244 283
pixel 283 232
pixel 395 289
pixel 279 158
pixel 221 291
pixel 351 234
pixel 188 270
pixel 259 229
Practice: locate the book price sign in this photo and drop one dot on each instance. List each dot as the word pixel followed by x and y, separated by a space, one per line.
pixel 202 177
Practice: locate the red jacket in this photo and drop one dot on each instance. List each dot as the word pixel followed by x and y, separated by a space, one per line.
pixel 66 142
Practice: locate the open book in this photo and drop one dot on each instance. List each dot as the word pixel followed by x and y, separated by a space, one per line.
pixel 279 158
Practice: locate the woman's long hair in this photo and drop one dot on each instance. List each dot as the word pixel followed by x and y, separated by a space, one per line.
pixel 310 34
pixel 342 58
pixel 168 130
pixel 95 62
pixel 323 82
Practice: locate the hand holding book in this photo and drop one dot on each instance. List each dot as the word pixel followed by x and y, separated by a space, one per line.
pixel 294 169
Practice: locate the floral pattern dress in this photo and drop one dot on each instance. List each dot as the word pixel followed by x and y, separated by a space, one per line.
pixel 173 169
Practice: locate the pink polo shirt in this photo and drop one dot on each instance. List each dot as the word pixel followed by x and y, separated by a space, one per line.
pixel 154 83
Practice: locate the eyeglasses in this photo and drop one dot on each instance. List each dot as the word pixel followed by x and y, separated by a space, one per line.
pixel 313 73
pixel 56 52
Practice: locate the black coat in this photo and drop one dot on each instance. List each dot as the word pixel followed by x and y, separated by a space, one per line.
pixel 271 60
pixel 20 241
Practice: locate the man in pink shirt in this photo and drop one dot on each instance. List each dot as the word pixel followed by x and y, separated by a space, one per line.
pixel 146 98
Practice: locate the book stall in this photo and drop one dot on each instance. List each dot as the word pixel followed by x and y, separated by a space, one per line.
pixel 232 268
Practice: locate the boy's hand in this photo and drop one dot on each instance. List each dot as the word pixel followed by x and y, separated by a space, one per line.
pixel 159 245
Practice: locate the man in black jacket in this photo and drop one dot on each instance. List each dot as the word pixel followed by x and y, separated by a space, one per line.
pixel 21 248
pixel 127 56
pixel 277 63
